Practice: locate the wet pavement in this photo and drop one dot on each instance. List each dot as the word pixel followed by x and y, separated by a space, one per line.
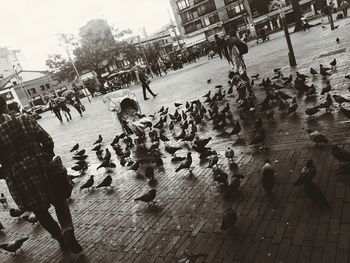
pixel 187 218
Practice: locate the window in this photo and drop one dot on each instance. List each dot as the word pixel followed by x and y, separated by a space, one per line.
pixel 211 19
pixel 187 17
pixel 33 90
pixel 42 87
pixel 198 1
pixel 47 86
pixel 182 4
pixel 233 10
pixel 206 8
pixel 193 27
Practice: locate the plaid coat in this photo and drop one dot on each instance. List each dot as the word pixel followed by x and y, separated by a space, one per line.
pixel 25 149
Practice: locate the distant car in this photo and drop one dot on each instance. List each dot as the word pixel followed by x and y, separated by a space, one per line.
pixel 40 108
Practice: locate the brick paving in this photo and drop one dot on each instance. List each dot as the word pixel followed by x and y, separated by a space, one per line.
pixel 287 227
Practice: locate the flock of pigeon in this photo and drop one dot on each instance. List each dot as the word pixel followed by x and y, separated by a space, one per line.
pixel 179 131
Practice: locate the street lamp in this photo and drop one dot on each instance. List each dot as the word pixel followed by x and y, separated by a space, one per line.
pixel 278 3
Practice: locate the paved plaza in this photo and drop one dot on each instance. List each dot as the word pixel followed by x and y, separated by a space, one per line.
pixel 287 227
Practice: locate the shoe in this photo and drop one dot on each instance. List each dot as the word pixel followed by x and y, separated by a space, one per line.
pixel 71 243
pixel 146 98
pixel 60 240
pixel 155 95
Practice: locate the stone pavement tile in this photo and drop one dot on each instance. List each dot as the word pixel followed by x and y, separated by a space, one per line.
pixel 317 254
pixel 333 230
pixel 329 253
pixel 342 256
pixel 283 250
pixel 305 252
pixel 293 254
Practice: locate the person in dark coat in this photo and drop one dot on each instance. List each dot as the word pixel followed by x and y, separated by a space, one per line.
pixel 222 47
pixel 144 83
pixel 25 152
pixel 55 109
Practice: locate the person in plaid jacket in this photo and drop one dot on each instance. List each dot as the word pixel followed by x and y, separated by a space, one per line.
pixel 25 152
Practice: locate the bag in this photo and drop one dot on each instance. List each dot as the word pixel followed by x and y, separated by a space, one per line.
pixel 242 47
pixel 82 107
pixel 148 81
pixel 59 183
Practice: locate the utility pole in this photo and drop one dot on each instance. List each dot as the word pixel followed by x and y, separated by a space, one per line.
pixel 330 17
pixel 174 28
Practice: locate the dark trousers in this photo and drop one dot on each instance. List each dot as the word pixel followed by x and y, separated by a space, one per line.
pixel 144 87
pixel 78 108
pixel 63 215
pixel 345 12
pixel 58 114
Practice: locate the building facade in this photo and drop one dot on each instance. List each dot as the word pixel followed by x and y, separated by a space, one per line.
pixel 200 20
pixel 96 29
pixel 10 58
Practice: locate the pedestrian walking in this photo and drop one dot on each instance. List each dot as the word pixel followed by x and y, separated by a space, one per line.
pixel 305 23
pixel 55 109
pixel 344 5
pixel 66 111
pixel 237 49
pixel 144 83
pixel 25 152
pixel 222 47
pixel 75 102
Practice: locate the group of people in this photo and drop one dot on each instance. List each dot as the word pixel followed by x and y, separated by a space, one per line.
pixel 60 104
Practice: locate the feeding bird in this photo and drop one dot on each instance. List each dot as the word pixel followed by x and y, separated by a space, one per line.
pixel 29 217
pixel 236 129
pixel 106 182
pixel 229 219
pixel 3 199
pixel 229 154
pixel 337 40
pixel 213 161
pixel 340 154
pixel 220 176
pixel 88 184
pixel 308 173
pixel 346 112
pixel 16 212
pixel 268 177
pixel 14 246
pixel 80 153
pixel 333 63
pixel 171 150
pixel 75 147
pixel 340 99
pixel 313 71
pixel 135 166
pixel 311 111
pixel 255 76
pixel 316 136
pixel 186 164
pixel 148 197
pixel 209 81
pixel 99 140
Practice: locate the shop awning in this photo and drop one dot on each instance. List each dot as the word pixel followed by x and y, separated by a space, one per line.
pixel 194 40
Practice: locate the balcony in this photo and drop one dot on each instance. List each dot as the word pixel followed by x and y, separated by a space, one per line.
pixel 196 4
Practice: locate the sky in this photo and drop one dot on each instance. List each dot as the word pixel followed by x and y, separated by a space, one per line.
pixel 33 25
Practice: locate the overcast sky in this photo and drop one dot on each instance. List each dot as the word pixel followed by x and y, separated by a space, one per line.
pixel 33 25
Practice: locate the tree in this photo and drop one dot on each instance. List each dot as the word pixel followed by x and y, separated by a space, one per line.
pixel 297 15
pixel 61 68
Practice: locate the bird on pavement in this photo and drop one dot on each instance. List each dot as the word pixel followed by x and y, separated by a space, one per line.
pixel 80 157
pixel 1 227
pixel 316 136
pixel 340 154
pixel 3 199
pixel 97 148
pixel 16 212
pixel 326 104
pixel 75 147
pixel 268 177
pixel 148 197
pixel 88 184
pixel 209 81
pixel 255 76
pixel 333 63
pixel 81 152
pixel 308 173
pixel 107 155
pixel 346 112
pixel 177 104
pixel 213 161
pixel 171 150
pixel 29 217
pixel 201 143
pixel 220 176
pixel 315 194
pixel 149 173
pixel 337 40
pixel 293 107
pixel 135 166
pixel 229 219
pixel 229 154
pixel 313 71
pixel 106 182
pixel 236 129
pixel 340 99
pixel 99 140
pixel 186 164
pixel 104 164
pixel 326 89
pixel 324 71
pixel 311 111
pixel 14 246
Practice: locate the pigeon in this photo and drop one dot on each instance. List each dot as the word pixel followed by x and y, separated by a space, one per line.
pixel 213 161
pixel 107 155
pixel 16 212
pixel 97 148
pixel 293 107
pixel 29 217
pixel 186 164
pixel 288 80
pixel 201 143
pixel 316 136
pixel 324 71
pixel 181 135
pixel 163 138
pixel 149 173
pixel 337 40
pixel 313 71
pixel 171 150
pixel 3 199
pixel 99 140
pixel 1 227
pixel 340 154
pixel 75 147
pixel 209 81
pixel 267 177
pixel 236 129
pixel 347 76
pixel 340 99
pixel 327 103
pixel 229 219
pixel 220 176
pixel 148 197
pixel 189 137
pixel 333 63
pixel 104 164
pixel 229 154
pixel 14 246
pixel 135 166
pixel 326 89
pixel 255 76
pixel 308 173
pixel 80 157
pixel 80 153
pixel 88 184
pixel 106 182
pixel 311 111
pixel 314 193
pixel 177 104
